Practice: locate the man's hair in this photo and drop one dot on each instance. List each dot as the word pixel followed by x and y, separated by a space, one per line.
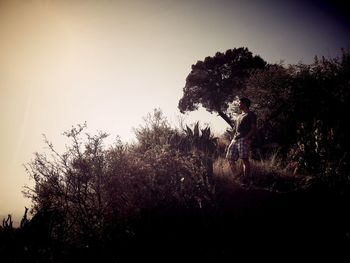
pixel 246 101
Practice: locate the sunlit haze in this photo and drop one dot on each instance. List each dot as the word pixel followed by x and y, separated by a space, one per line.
pixel 109 63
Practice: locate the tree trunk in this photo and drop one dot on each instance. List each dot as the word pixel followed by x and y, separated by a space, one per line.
pixel 226 118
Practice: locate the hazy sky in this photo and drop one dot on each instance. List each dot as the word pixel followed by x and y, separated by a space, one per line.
pixel 109 63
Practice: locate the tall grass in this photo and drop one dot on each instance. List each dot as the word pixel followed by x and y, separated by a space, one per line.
pixel 268 173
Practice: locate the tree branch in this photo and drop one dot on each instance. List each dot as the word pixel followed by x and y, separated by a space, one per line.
pixel 226 118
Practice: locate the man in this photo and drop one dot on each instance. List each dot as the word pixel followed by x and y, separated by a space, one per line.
pixel 240 144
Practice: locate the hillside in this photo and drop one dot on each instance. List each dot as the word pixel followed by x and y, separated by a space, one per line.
pixel 251 221
pixel 243 221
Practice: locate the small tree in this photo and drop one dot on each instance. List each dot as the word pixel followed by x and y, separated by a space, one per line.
pixel 156 130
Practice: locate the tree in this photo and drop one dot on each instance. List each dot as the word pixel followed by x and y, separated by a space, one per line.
pixel 322 95
pixel 271 88
pixel 302 109
pixel 156 130
pixel 215 82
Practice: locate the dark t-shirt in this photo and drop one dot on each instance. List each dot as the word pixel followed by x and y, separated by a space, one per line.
pixel 244 123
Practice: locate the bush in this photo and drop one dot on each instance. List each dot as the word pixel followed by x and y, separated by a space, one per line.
pixel 90 188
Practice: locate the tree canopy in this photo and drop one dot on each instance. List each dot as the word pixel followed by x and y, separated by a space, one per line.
pixel 215 82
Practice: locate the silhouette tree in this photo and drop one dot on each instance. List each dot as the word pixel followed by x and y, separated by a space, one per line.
pixel 215 82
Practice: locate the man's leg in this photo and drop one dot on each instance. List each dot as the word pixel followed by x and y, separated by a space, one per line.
pixel 232 166
pixel 246 167
pixel 232 156
pixel 245 149
pixel 235 172
pixel 245 179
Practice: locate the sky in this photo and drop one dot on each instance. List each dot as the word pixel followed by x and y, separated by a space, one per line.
pixel 110 63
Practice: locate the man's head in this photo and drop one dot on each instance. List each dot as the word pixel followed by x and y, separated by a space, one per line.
pixel 245 101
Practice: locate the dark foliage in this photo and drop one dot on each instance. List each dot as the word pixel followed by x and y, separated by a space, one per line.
pixel 244 224
pixel 302 109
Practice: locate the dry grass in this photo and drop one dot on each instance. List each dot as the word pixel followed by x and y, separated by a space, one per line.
pixel 269 174
pixel 221 168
